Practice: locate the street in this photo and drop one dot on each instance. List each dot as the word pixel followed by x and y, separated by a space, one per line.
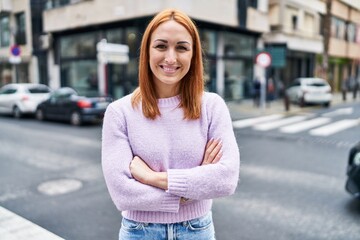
pixel 291 178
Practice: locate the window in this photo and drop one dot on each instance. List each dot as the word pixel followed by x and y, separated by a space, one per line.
pixel 208 41
pixel 351 32
pixel 338 28
pixel 21 29
pixel 79 45
pixel 4 31
pixel 294 22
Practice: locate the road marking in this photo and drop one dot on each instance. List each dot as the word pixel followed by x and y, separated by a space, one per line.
pixel 14 227
pixel 340 111
pixel 302 126
pixel 279 123
pixel 335 127
pixel 252 121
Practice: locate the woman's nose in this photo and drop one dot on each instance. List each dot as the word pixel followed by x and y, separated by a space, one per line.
pixel 170 57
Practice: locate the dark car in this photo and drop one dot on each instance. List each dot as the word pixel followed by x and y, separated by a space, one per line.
pixel 65 104
pixel 353 171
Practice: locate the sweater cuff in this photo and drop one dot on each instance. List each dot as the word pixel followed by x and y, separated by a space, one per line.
pixel 170 203
pixel 177 182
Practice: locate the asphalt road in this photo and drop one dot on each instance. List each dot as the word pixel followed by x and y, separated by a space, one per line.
pixel 291 185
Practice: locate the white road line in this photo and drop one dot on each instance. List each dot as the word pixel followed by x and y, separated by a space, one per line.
pixel 340 111
pixel 14 227
pixel 302 126
pixel 279 123
pixel 335 127
pixel 252 121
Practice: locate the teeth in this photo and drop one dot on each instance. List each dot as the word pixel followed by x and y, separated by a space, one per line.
pixel 168 69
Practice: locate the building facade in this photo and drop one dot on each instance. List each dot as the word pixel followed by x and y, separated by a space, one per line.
pixel 54 41
pixel 229 31
pixel 17 62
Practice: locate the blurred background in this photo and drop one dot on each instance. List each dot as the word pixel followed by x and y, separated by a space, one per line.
pixel 300 164
pixel 54 42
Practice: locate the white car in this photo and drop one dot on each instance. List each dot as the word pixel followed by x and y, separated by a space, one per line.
pixel 22 98
pixel 310 91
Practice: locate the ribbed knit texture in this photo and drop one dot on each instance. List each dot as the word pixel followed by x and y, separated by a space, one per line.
pixel 168 143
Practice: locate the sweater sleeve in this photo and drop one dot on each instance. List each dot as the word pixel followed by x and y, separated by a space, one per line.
pixel 212 180
pixel 125 191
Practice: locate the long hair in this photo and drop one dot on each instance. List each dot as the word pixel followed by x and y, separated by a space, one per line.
pixel 191 87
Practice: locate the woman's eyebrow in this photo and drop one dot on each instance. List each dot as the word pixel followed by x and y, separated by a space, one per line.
pixel 165 41
pixel 161 40
pixel 183 42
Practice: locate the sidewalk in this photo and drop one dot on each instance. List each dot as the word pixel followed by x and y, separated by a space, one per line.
pixel 245 108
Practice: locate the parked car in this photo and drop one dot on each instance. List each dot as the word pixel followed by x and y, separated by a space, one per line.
pixel 353 171
pixel 22 98
pixel 65 104
pixel 305 91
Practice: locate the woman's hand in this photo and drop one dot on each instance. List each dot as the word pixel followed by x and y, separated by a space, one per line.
pixel 213 152
pixel 144 174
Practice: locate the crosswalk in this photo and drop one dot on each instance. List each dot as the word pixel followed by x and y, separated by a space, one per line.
pixel 323 125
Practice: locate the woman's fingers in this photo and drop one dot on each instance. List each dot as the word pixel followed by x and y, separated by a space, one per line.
pixel 213 151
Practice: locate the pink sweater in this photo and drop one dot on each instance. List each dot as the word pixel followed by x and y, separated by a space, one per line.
pixel 168 143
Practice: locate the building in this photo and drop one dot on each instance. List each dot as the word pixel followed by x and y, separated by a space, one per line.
pixel 296 39
pixel 18 25
pixel 229 31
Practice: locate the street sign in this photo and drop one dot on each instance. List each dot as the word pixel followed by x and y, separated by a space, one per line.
pixel 15 50
pixel 263 59
pixel 112 53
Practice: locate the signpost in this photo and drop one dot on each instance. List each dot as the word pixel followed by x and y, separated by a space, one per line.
pixel 263 60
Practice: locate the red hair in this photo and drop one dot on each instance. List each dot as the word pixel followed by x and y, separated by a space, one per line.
pixel 191 86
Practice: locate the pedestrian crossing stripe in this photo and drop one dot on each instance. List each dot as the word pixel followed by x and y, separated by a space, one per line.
pixel 15 227
pixel 335 127
pixel 251 121
pixel 320 126
pixel 302 126
pixel 275 124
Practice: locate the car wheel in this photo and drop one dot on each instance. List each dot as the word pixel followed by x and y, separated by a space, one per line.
pixel 17 113
pixel 40 115
pixel 75 118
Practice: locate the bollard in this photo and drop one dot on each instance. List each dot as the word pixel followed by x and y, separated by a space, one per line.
pixel 286 102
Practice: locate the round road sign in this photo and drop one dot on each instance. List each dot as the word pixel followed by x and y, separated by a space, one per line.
pixel 263 59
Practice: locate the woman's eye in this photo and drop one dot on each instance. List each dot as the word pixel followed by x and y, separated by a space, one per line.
pixel 182 48
pixel 160 46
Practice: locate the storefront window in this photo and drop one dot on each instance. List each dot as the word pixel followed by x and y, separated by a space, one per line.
pixel 208 41
pixel 114 36
pixel 81 75
pixel 133 41
pixel 238 45
pixel 79 45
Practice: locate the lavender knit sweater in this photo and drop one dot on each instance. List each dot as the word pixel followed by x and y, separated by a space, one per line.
pixel 168 143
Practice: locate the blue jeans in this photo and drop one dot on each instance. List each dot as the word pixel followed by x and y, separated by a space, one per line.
pixel 196 229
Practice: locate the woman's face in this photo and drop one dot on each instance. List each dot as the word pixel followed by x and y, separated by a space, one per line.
pixel 171 50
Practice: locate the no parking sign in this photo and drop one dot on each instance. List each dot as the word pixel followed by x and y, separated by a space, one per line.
pixel 15 54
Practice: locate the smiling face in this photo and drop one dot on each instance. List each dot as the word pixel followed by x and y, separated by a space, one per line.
pixel 170 53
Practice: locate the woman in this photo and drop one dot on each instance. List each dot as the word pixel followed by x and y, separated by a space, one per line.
pixel 169 147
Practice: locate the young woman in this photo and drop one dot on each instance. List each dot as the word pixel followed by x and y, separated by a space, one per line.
pixel 169 147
